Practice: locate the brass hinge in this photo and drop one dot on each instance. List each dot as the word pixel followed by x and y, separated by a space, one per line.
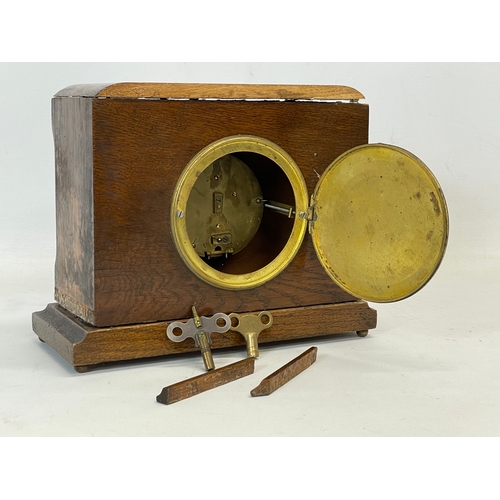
pixel 310 215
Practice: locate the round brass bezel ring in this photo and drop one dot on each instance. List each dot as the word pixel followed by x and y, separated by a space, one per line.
pixel 185 183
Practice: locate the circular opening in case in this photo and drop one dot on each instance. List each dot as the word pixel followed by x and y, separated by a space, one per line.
pixel 236 212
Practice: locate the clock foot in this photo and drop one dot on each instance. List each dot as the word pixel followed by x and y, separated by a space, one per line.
pixel 82 369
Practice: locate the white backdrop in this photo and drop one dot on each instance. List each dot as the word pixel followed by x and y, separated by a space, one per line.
pixel 429 369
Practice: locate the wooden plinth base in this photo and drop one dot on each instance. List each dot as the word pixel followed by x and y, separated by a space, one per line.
pixel 84 345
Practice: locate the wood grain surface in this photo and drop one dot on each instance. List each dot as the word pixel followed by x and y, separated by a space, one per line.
pixel 129 265
pixel 284 374
pixel 82 344
pixel 229 91
pixel 206 381
pixel 157 90
pixel 74 268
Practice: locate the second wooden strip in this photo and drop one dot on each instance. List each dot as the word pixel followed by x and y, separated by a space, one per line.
pixel 286 373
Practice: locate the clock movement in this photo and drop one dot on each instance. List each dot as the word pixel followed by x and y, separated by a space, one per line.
pixel 234 199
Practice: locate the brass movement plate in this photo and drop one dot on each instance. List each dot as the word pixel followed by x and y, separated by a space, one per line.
pixel 224 208
pixel 381 223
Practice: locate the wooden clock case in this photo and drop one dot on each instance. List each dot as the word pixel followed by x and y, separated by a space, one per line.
pixel 119 151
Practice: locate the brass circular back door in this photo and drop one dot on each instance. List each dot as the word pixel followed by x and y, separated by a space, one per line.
pixel 381 223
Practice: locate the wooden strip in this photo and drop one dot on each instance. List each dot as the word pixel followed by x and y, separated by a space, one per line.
pixel 206 381
pixel 228 91
pixel 285 373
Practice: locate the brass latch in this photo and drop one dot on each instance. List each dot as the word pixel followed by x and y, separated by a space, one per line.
pixel 310 215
